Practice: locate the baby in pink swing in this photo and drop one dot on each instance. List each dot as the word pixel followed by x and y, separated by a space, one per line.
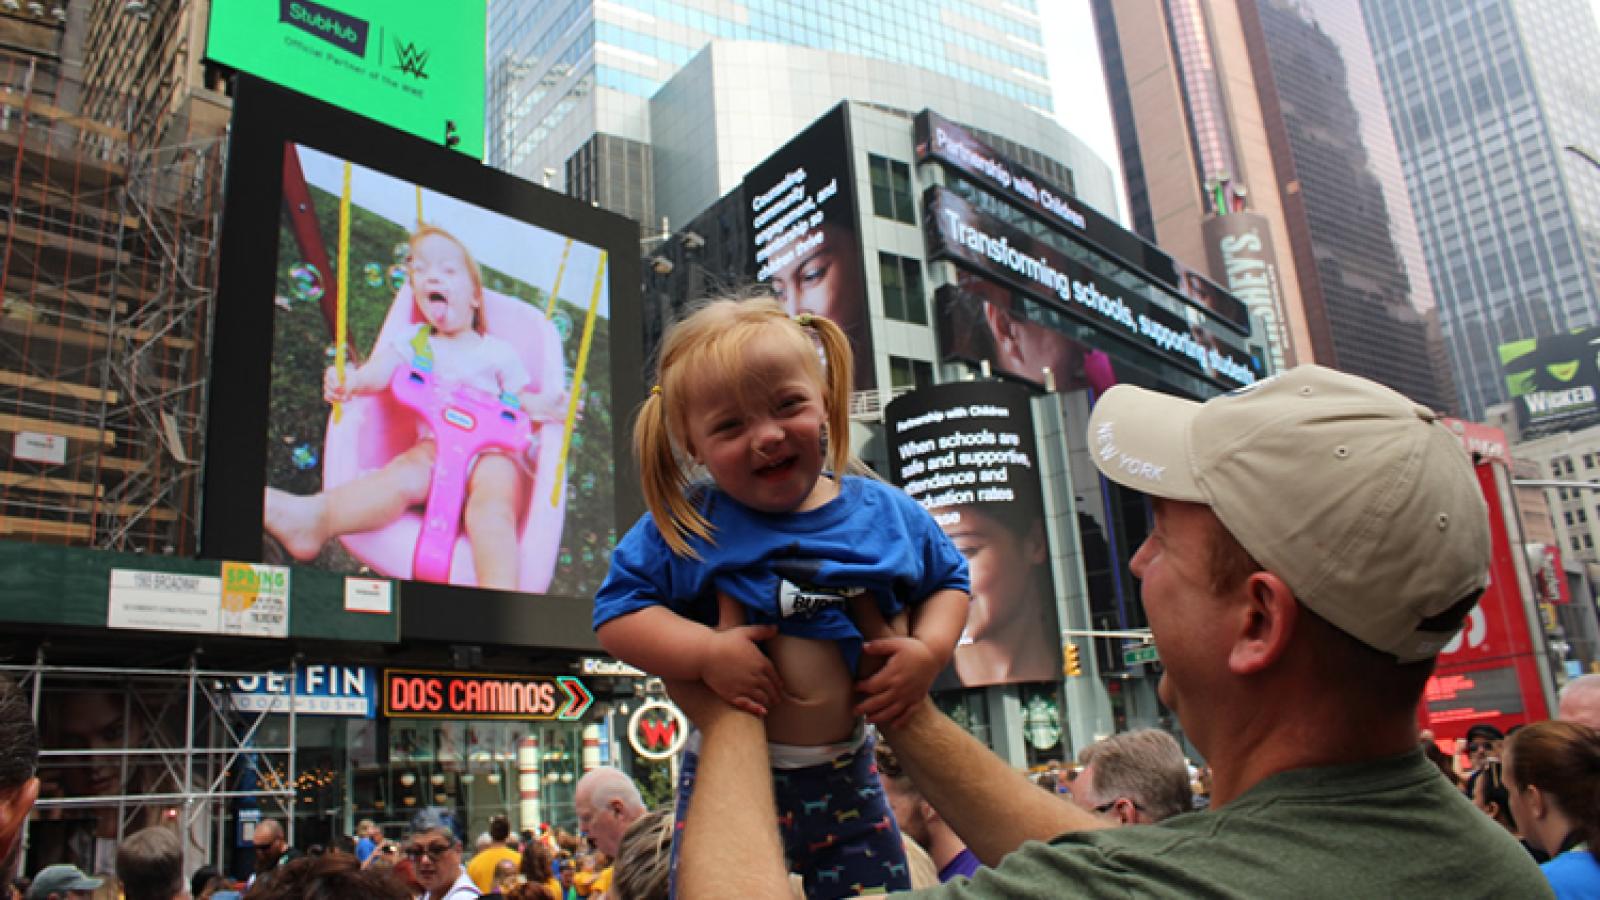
pixel 451 343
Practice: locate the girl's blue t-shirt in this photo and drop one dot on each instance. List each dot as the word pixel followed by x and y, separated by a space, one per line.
pixel 795 570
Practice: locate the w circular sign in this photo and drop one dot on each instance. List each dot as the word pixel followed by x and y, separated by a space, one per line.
pixel 657 730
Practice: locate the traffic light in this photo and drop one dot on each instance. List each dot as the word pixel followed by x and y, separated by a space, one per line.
pixel 1073 667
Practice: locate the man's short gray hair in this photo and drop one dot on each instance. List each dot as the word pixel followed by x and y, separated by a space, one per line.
pixel 1145 766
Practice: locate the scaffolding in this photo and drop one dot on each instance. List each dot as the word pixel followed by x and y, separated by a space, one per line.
pixel 123 749
pixel 105 298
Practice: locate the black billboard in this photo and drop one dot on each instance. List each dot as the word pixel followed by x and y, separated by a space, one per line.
pixel 394 307
pixel 954 230
pixel 937 138
pixel 982 321
pixel 966 451
pixel 801 221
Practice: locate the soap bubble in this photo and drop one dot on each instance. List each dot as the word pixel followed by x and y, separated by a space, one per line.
pixel 305 282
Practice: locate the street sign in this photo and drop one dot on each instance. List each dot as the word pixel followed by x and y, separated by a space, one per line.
pixel 1134 656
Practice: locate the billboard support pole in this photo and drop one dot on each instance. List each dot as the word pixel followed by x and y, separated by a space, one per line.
pixel 1087 715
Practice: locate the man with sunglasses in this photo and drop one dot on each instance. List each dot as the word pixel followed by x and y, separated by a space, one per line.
pixel 1483 745
pixel 435 856
pixel 272 850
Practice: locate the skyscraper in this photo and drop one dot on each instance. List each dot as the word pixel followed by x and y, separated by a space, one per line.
pixel 1484 95
pixel 1253 107
pixel 570 82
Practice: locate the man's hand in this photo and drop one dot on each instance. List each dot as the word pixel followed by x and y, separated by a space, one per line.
pixel 894 692
pixel 739 672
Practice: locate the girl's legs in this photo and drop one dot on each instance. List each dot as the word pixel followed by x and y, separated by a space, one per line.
pixel 304 524
pixel 493 494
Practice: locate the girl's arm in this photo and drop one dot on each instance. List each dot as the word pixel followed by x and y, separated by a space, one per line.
pixel 364 379
pixel 728 660
pixel 913 662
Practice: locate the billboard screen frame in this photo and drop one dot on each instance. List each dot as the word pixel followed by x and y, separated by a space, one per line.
pixel 806 185
pixel 266 119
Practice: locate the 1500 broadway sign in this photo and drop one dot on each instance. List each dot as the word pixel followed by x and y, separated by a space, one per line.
pixel 956 231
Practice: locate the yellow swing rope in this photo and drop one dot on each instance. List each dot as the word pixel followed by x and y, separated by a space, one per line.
pixel 550 308
pixel 577 378
pixel 342 299
pixel 419 206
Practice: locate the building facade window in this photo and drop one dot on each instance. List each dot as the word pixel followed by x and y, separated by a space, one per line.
pixel 891 189
pixel 903 298
pixel 907 374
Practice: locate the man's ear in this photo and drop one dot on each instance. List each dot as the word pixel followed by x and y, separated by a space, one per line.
pixel 1001 325
pixel 1266 615
pixel 14 815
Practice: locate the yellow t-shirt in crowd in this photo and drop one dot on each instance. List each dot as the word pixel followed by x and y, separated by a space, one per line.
pixel 481 868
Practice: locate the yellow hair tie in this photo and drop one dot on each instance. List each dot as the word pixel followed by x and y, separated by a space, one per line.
pixel 655 390
pixel 804 320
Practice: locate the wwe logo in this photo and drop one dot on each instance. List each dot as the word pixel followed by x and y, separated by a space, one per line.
pixel 413 60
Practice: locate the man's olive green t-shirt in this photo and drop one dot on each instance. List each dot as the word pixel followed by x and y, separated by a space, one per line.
pixel 1390 828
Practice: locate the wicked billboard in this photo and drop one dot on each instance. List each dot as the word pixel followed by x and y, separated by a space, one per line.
pixel 1554 381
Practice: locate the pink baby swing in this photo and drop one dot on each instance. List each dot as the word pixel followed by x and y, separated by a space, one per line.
pixel 369 431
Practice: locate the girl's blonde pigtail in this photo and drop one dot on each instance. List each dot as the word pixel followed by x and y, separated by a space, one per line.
pixel 839 385
pixel 662 479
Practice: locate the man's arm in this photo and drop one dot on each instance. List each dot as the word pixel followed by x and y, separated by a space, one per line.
pixel 730 841
pixel 993 807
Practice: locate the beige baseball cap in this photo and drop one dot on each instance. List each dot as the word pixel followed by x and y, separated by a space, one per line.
pixel 1362 501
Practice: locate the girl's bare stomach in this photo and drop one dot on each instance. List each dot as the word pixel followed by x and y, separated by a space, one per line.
pixel 821 692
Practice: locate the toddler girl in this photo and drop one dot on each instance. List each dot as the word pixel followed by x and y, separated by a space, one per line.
pixel 781 536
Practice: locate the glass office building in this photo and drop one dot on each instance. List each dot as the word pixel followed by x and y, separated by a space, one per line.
pixel 1483 96
pixel 570 83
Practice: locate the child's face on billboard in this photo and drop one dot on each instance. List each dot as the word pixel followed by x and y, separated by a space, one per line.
pixel 442 284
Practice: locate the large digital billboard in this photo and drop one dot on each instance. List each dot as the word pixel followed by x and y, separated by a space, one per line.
pixel 1554 381
pixel 955 230
pixel 982 321
pixel 416 356
pixel 966 451
pixel 938 138
pixel 415 65
pixel 800 216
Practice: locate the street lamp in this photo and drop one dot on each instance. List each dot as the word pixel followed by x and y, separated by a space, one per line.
pixel 1583 154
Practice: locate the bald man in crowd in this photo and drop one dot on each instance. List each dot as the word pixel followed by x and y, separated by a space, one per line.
pixel 1580 701
pixel 607 802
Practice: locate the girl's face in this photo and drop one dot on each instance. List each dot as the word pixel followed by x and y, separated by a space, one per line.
pixel 762 444
pixel 442 285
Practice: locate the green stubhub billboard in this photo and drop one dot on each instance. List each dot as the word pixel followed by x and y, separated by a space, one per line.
pixel 417 65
